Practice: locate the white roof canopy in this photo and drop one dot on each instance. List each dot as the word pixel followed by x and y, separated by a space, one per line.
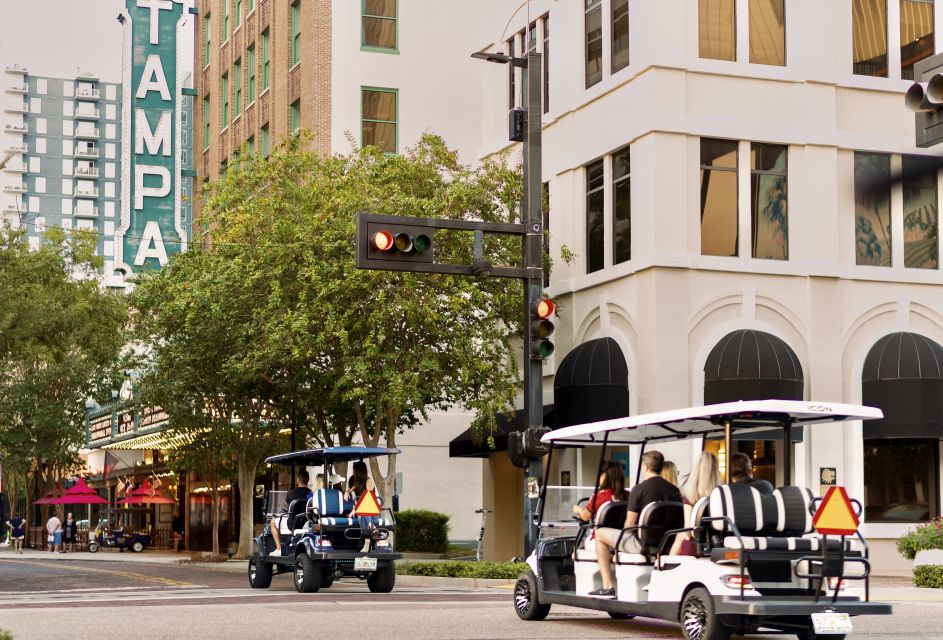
pixel 743 416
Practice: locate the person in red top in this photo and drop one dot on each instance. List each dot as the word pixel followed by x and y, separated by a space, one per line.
pixel 611 483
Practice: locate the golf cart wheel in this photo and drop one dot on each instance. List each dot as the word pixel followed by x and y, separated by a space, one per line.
pixel 383 579
pixel 137 546
pixel 93 547
pixel 698 620
pixel 260 574
pixel 810 634
pixel 615 615
pixel 307 574
pixel 525 598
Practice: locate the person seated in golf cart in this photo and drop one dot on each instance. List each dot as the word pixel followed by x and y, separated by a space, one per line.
pixel 741 472
pixel 611 487
pixel 282 523
pixel 702 480
pixel 653 488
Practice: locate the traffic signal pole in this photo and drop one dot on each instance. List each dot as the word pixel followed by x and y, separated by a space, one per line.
pixel 533 285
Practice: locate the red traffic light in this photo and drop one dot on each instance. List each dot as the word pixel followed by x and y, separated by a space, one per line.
pixel 382 240
pixel 545 309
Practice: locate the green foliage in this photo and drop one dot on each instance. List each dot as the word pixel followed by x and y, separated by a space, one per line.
pixel 5 636
pixel 422 530
pixel 459 569
pixel 928 535
pixel 929 576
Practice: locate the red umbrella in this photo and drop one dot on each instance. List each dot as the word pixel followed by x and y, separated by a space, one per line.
pixel 81 493
pixel 51 496
pixel 146 494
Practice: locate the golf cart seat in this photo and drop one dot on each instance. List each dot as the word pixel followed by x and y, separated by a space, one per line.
pixel 611 515
pixel 656 519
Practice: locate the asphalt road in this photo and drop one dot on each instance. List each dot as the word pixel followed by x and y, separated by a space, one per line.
pixel 41 597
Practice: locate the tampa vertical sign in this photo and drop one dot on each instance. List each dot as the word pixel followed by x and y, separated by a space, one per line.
pixel 151 226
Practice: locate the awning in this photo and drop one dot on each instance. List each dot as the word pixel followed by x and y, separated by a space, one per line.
pixel 591 384
pixel 903 375
pixel 464 445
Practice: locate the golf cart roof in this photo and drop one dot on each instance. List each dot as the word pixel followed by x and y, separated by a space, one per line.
pixel 316 457
pixel 743 416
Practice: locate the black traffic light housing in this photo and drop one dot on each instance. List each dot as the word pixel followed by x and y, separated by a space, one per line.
pixel 379 242
pixel 541 328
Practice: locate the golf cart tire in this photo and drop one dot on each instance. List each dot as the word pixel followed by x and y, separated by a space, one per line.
pixel 260 574
pixel 810 634
pixel 307 576
pixel 137 546
pixel 698 619
pixel 383 579
pixel 616 615
pixel 93 547
pixel 526 604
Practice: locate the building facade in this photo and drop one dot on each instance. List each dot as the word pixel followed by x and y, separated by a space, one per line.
pixel 727 192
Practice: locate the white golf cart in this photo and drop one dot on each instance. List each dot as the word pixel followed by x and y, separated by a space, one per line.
pixel 760 566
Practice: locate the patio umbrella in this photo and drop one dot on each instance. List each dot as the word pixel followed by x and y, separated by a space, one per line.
pixel 146 494
pixel 50 497
pixel 81 493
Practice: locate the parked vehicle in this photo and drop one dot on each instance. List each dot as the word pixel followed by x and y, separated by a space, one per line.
pixel 104 537
pixel 326 542
pixel 760 566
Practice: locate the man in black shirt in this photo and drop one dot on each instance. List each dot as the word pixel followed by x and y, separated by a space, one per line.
pixel 301 492
pixel 741 472
pixel 652 488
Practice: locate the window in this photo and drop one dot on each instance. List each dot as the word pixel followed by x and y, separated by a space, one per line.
pixel 768 201
pixel 250 5
pixel 593 22
pixel 294 115
pixel 264 134
pixel 238 12
pixel 872 209
pixel 717 29
pixel 869 37
pixel 295 33
pixel 378 24
pixel 236 88
pixel 206 39
pixel 901 480
pixel 719 231
pixel 921 225
pixel 768 32
pixel 206 121
pixel 546 63
pixel 225 23
pixel 250 74
pixel 265 58
pixel 378 118
pixel 250 145
pixel 916 34
pixel 621 207
pixel 225 92
pixel 595 206
pixel 620 34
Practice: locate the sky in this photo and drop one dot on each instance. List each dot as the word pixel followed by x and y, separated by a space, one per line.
pixel 56 37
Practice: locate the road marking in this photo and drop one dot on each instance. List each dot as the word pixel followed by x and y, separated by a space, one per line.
pixel 165 582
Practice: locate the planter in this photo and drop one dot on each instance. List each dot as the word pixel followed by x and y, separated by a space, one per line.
pixel 929 556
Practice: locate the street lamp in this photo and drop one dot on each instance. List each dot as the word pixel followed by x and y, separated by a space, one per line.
pixel 533 282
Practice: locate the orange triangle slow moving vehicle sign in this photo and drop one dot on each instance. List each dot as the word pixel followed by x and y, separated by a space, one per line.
pixel 835 515
pixel 367 505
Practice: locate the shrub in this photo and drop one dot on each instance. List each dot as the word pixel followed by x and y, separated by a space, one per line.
pixel 921 538
pixel 5 636
pixel 459 569
pixel 422 530
pixel 928 575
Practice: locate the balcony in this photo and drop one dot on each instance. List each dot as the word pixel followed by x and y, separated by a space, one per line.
pixel 16 148
pixel 86 172
pixel 86 192
pixel 86 152
pixel 17 88
pixel 86 212
pixel 17 108
pixel 16 69
pixel 86 134
pixel 15 188
pixel 87 114
pixel 15 128
pixel 15 168
pixel 87 94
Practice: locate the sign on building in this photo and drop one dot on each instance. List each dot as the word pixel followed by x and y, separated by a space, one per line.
pixel 151 228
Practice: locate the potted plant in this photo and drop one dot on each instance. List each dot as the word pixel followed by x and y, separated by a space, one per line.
pixel 924 545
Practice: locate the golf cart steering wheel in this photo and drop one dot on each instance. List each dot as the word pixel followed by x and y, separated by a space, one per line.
pixel 576 517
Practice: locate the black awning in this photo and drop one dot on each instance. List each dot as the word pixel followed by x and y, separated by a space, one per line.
pixel 903 376
pixel 591 384
pixel 464 445
pixel 752 365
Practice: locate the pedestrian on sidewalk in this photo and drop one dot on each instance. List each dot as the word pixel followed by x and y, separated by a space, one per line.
pixel 70 531
pixel 53 532
pixel 17 532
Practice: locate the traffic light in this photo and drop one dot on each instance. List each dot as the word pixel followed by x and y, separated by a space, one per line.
pixel 396 242
pixel 542 329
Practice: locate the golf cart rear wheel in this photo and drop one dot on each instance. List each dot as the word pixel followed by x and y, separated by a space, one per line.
pixel 93 547
pixel 525 598
pixel 698 619
pixel 137 546
pixel 383 579
pixel 260 574
pixel 307 574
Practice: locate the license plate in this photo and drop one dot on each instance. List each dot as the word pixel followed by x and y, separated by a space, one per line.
pixel 831 623
pixel 365 564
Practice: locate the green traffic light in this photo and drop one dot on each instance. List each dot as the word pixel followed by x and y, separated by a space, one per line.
pixel 543 349
pixel 421 242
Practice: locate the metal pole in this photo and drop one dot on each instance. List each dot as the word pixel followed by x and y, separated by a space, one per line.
pixel 787 453
pixel 533 283
pixel 728 444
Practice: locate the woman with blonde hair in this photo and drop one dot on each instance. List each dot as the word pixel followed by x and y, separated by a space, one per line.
pixel 670 472
pixel 700 482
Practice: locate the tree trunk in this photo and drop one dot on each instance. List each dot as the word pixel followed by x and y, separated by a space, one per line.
pixel 246 480
pixel 215 520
